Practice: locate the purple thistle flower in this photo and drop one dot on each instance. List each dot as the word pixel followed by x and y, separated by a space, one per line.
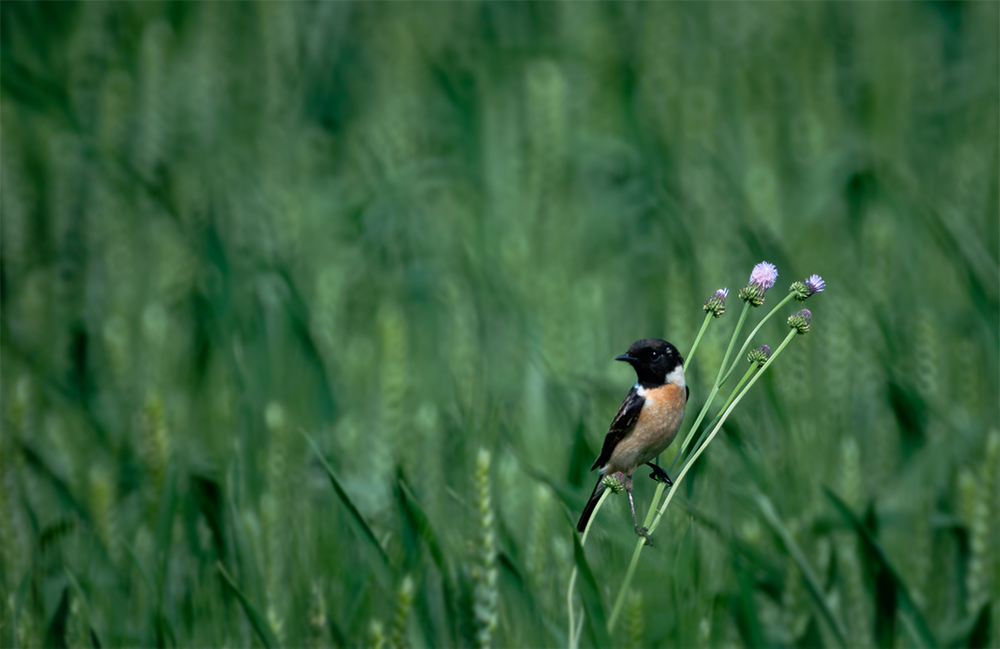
pixel 816 283
pixel 812 285
pixel 764 275
pixel 762 278
pixel 716 304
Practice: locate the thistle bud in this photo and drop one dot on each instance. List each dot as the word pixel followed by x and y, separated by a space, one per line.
pixel 759 355
pixel 812 285
pixel 716 305
pixel 800 321
pixel 613 482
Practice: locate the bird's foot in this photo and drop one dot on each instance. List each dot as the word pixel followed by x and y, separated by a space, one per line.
pixel 659 475
pixel 644 533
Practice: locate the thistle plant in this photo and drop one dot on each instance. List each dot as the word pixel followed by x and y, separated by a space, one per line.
pixel 714 307
pixel 762 278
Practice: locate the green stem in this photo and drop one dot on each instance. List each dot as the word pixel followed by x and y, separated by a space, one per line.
pixel 620 599
pixel 713 392
pixel 732 395
pixel 753 333
pixel 694 348
pixel 635 553
pixel 573 640
pixel 701 332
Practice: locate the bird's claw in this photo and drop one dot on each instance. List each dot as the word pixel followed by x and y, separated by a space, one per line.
pixel 659 475
pixel 644 533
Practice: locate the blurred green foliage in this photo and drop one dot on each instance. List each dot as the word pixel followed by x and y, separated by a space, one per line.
pixel 420 232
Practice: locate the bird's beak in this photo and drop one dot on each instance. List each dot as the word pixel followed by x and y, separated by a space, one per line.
pixel 626 358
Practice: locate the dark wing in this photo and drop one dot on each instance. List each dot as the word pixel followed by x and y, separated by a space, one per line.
pixel 623 424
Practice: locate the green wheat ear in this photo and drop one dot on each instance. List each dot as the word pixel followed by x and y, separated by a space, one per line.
pixel 538 540
pixel 851 484
pixel 13 544
pixel 318 622
pixel 484 570
pixel 855 596
pixel 981 511
pixel 16 201
pixel 77 632
pixel 404 603
pixel 394 417
pixel 376 634
pixel 633 620
pixel 154 97
pixel 857 606
pixel 102 508
pixel 276 511
pixel 156 449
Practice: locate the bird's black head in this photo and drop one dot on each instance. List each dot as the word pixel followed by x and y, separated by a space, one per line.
pixel 654 361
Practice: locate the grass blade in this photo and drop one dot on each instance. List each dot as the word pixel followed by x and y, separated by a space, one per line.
pixel 416 518
pixel 85 603
pixel 748 622
pixel 590 596
pixel 980 634
pixel 338 487
pixel 569 497
pixel 812 583
pixel 878 556
pixel 257 621
pixel 59 485
pixel 762 563
pixel 417 526
pixel 55 632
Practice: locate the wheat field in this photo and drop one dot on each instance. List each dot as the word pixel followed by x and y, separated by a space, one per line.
pixel 308 312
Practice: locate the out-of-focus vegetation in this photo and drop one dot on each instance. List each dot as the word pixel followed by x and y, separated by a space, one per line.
pixel 420 232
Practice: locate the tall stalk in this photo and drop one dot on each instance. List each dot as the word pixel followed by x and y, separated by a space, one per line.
pixel 630 573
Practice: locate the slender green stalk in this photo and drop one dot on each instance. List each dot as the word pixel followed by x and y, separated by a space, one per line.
pixel 573 637
pixel 715 430
pixel 732 395
pixel 714 391
pixel 739 386
pixel 620 599
pixel 694 348
pixel 753 333
pixel 701 332
pixel 616 611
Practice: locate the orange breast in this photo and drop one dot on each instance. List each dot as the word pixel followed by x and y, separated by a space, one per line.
pixel 657 427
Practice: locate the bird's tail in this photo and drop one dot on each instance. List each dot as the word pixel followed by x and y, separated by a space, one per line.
pixel 589 509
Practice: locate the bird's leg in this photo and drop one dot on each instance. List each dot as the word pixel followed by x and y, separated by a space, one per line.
pixel 641 531
pixel 659 475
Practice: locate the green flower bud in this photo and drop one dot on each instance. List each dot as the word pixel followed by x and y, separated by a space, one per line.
pixel 759 355
pixel 800 321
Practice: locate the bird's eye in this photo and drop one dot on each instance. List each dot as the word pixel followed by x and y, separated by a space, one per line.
pixel 654 354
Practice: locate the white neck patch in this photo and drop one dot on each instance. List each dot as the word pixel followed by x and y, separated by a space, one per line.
pixel 641 391
pixel 676 376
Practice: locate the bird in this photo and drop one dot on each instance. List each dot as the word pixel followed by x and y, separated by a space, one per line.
pixel 647 421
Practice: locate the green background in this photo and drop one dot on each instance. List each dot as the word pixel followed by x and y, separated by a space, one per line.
pixel 419 230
